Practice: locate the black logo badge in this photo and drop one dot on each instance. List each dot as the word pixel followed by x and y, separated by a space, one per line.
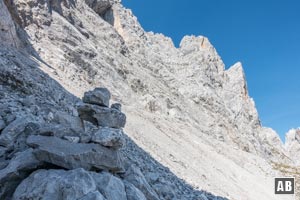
pixel 284 185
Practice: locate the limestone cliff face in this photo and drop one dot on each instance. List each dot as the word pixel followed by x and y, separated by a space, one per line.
pixel 183 107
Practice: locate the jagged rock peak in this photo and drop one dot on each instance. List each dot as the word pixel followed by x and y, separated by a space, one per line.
pixel 292 135
pixel 236 77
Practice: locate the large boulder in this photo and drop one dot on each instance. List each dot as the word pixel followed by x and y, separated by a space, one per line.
pixel 17 169
pixel 109 137
pixel 10 133
pixel 68 120
pixel 132 192
pixel 134 176
pixel 71 155
pixel 99 96
pixel 110 186
pixel 102 116
pixel 56 185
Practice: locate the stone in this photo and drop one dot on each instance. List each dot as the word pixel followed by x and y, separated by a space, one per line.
pixel 117 106
pixel 203 197
pixel 57 130
pixel 93 196
pixel 2 124
pixel 99 96
pixel 132 192
pixel 68 120
pixel 72 139
pixel 102 116
pixel 110 186
pixel 8 33
pixel 164 191
pixel 134 176
pixel 2 151
pixel 152 177
pixel 89 130
pixel 17 169
pixel 109 137
pixel 57 184
pixel 75 155
pixel 13 130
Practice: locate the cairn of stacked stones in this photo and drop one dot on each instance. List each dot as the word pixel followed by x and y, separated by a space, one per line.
pixel 95 145
pixel 61 156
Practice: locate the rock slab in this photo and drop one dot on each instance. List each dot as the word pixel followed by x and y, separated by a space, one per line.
pixel 99 96
pixel 75 155
pixel 102 116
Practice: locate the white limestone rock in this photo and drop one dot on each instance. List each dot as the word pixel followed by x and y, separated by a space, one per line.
pixel 110 186
pixel 132 193
pixel 134 176
pixel 292 144
pixel 109 137
pixel 17 169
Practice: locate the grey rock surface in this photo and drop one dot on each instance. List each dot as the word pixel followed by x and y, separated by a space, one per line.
pixel 17 169
pixel 135 176
pixel 99 96
pixel 117 106
pixel 13 130
pixel 56 184
pixel 102 116
pixel 110 186
pixel 109 137
pixel 71 155
pixel 132 192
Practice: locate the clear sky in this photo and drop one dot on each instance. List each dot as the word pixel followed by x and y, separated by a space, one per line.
pixel 263 34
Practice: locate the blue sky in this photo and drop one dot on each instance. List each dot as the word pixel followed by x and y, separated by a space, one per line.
pixel 264 35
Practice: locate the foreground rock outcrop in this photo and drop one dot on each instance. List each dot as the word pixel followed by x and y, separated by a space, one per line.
pixel 66 166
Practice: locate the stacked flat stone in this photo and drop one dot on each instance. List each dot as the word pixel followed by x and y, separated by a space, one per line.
pixel 109 121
